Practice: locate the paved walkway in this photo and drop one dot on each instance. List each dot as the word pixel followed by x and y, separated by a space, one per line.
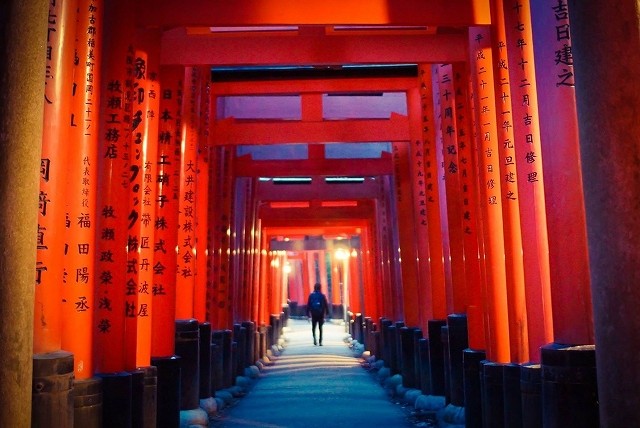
pixel 312 386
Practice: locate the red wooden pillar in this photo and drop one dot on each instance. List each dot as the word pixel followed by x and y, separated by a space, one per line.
pixel 370 275
pixel 498 348
pixel 436 255
pixel 392 244
pixel 470 216
pixel 355 286
pixel 425 307
pixel 512 202
pixel 265 284
pixel 201 301
pixel 531 179
pixel 566 221
pixel 406 231
pixel 51 208
pixel 223 287
pixel 167 200
pixel 82 182
pixel 449 129
pixel 187 199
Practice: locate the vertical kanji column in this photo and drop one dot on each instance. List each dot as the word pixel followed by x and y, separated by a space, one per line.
pixel 406 233
pixel 498 349
pixel 82 184
pixel 187 194
pixel 24 34
pixel 527 142
pixel 432 184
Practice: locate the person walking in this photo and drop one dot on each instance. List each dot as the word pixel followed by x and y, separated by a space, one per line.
pixel 317 309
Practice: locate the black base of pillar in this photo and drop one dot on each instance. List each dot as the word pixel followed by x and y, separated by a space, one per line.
pixel 472 362
pixel 512 396
pixel 145 396
pixel 531 390
pixel 458 342
pixel 52 399
pixel 187 347
pixel 168 404
pixel 87 403
pixel 436 356
pixel 117 407
pixel 492 395
pixel 569 386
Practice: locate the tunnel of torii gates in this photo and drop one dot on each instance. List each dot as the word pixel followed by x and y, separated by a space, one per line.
pixel 168 258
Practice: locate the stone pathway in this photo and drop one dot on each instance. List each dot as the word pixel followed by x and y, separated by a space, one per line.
pixel 314 386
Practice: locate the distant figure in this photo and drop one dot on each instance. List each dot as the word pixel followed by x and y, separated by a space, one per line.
pixel 317 308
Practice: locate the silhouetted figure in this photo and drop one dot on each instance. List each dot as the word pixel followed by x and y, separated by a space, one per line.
pixel 317 308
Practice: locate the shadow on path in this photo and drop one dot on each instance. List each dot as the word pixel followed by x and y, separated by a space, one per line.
pixel 314 386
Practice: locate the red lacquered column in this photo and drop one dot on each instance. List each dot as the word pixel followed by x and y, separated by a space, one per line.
pixel 498 349
pixel 570 291
pixel 535 243
pixel 115 138
pixel 202 205
pixel 53 164
pixel 470 216
pixel 187 196
pixel 166 224
pixel 432 183
pixel 512 200
pixel 82 185
pixel 406 231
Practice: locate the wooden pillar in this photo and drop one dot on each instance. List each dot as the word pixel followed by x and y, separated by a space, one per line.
pixel 436 255
pixel 512 202
pixel 187 199
pixel 470 218
pixel 201 301
pixel 566 223
pixel 449 129
pixel 51 212
pixel 406 233
pixel 24 34
pixel 609 130
pixel 109 318
pixel 498 349
pixel 425 307
pixel 82 182
pixel 166 236
pixel 535 244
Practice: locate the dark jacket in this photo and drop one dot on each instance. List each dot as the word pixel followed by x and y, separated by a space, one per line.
pixel 317 296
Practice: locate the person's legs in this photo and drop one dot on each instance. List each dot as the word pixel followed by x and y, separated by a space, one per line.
pixel 320 322
pixel 314 321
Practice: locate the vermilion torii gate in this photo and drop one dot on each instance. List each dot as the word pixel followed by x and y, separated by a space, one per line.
pixel 151 232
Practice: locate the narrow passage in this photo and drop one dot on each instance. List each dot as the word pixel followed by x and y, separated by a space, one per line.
pixel 314 386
